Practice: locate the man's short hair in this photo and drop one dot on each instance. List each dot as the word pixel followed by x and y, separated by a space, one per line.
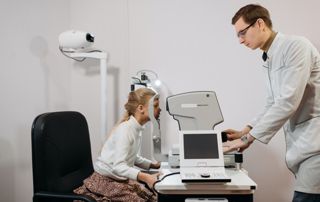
pixel 252 12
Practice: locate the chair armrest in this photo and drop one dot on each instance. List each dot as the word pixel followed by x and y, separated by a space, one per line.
pixel 63 196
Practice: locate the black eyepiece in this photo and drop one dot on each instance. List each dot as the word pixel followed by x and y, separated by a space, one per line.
pixel 89 37
pixel 224 136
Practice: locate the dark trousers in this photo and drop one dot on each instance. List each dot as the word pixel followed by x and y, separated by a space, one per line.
pixel 305 197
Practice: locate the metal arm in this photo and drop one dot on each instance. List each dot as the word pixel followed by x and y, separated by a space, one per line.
pixel 102 56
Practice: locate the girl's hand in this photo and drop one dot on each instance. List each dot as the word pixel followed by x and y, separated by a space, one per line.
pixel 148 179
pixel 155 165
pixel 154 178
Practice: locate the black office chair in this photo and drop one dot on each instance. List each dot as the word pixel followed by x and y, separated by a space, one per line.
pixel 61 156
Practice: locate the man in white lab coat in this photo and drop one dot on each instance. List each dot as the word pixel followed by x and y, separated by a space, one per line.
pixel 292 66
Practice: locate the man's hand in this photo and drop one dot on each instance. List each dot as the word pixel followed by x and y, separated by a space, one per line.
pixel 234 145
pixel 233 134
pixel 238 144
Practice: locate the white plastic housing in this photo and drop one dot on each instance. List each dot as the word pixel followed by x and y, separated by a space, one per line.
pixel 74 40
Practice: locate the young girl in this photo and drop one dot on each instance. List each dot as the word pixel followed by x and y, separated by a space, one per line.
pixel 115 177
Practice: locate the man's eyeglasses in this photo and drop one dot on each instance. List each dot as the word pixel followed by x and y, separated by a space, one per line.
pixel 243 32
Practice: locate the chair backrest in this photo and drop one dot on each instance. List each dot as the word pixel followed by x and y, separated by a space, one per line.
pixel 61 151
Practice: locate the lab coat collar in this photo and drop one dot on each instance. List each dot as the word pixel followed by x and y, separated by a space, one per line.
pixel 274 45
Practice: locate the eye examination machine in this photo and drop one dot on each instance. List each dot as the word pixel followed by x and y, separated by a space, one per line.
pixel 196 169
pixel 198 110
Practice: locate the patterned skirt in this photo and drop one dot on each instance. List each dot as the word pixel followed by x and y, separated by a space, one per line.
pixel 105 189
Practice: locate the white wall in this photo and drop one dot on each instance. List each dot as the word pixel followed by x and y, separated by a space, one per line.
pixel 189 43
pixel 108 21
pixel 33 80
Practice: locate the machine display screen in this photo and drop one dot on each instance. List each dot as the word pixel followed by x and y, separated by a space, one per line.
pixel 201 146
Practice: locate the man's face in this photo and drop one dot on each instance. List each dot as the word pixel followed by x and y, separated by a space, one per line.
pixel 156 108
pixel 248 34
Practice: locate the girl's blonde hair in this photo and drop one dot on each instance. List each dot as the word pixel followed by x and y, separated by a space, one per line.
pixel 138 97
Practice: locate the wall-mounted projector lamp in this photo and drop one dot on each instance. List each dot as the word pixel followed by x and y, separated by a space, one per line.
pixel 73 40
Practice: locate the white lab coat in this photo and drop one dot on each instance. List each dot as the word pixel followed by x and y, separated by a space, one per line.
pixel 293 102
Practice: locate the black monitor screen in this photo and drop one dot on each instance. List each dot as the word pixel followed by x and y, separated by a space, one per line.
pixel 201 146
